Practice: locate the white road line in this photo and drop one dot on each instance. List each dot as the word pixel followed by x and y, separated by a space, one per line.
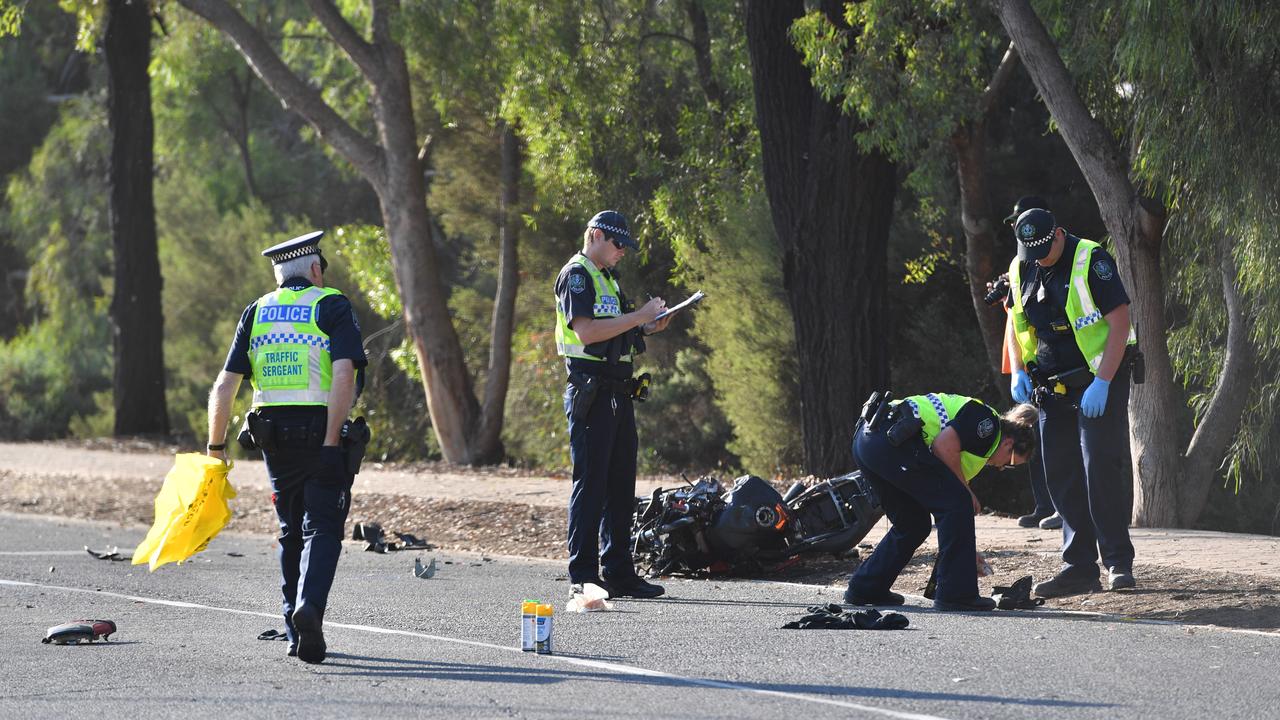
pixel 617 668
pixel 43 552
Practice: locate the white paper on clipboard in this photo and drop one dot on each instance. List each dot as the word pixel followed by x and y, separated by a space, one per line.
pixel 693 300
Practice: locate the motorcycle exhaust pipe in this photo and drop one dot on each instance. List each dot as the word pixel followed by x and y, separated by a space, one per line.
pixel 654 534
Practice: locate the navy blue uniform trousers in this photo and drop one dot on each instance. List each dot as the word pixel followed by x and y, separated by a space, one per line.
pixel 311 512
pixel 1090 480
pixel 603 447
pixel 913 483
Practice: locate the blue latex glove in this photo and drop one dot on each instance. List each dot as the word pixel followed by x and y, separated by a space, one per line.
pixel 1094 400
pixel 1020 386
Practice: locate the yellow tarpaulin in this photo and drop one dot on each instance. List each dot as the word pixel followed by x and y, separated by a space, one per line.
pixel 191 509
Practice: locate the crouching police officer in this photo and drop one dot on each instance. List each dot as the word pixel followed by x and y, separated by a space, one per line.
pixel 1072 353
pixel 300 346
pixel 598 334
pixel 920 454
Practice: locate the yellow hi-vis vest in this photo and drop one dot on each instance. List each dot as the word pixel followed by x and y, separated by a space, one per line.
pixel 1087 324
pixel 936 410
pixel 288 352
pixel 608 304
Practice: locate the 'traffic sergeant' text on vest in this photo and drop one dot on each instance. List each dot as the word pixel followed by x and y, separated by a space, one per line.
pixel 287 350
pixel 1087 324
pixel 608 304
pixel 936 411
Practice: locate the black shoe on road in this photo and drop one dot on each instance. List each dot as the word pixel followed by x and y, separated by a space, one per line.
pixel 1062 585
pixel 576 588
pixel 973 604
pixel 310 626
pixel 634 587
pixel 1031 520
pixel 885 599
pixel 1120 579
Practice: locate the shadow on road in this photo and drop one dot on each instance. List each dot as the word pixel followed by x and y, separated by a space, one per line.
pixel 376 667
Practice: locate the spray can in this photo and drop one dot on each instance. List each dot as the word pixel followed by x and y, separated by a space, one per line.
pixel 528 625
pixel 543 637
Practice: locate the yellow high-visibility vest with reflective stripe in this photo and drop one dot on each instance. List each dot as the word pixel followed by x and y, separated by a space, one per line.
pixel 608 304
pixel 288 351
pixel 936 411
pixel 1087 324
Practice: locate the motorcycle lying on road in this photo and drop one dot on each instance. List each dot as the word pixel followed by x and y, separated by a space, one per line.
pixel 706 527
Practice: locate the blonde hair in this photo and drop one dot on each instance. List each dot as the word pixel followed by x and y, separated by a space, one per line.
pixel 1022 424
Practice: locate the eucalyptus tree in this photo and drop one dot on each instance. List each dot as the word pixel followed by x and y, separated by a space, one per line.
pixel 382 140
pixel 1191 84
pixel 925 78
pixel 831 203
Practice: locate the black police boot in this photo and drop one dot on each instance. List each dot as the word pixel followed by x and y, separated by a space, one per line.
pixel 1061 585
pixel 576 588
pixel 973 604
pixel 310 625
pixel 1120 578
pixel 634 586
pixel 1032 519
pixel 887 598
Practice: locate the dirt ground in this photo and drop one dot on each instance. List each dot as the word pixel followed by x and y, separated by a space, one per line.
pixel 1163 593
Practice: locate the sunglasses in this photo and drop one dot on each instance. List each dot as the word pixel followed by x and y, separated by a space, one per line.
pixel 1013 462
pixel 324 264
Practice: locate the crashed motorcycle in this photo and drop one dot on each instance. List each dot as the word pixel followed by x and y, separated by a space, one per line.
pixel 749 526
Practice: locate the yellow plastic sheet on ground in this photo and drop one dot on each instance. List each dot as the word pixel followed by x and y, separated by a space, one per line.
pixel 190 510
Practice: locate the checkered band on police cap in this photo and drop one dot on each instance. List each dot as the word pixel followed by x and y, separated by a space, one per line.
pixel 614 225
pixel 300 246
pixel 1035 227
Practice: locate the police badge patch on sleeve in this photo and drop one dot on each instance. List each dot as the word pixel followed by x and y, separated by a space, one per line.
pixel 577 283
pixel 986 427
pixel 1103 270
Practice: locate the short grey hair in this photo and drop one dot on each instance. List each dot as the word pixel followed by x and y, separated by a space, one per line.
pixel 295 267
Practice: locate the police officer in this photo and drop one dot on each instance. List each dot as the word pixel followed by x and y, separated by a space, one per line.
pixel 599 334
pixel 919 455
pixel 1069 321
pixel 1044 514
pixel 300 346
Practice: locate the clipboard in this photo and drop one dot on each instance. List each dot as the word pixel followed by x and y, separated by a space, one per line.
pixel 692 300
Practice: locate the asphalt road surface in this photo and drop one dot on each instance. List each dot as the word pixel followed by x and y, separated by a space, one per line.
pixel 448 647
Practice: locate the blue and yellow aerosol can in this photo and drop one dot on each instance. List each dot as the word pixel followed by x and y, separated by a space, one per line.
pixel 528 625
pixel 543 636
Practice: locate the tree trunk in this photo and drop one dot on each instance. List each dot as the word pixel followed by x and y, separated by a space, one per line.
pixel 1136 225
pixel 136 316
pixel 451 400
pixel 831 207
pixel 489 441
pixel 978 222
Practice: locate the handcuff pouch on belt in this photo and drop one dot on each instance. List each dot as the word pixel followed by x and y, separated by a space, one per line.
pixel 257 433
pixel 875 409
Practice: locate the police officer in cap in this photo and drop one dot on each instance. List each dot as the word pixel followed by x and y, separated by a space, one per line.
pixel 1043 515
pixel 1070 352
pixel 920 454
pixel 598 333
pixel 300 346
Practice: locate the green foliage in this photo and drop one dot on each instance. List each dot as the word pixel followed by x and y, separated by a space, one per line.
pixel 57 214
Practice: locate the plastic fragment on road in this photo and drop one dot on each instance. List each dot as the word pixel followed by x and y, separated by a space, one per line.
pixel 424 571
pixel 593 598
pixel 110 553
pixel 190 510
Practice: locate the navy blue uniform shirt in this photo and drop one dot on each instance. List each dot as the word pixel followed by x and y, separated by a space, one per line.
pixel 576 295
pixel 976 424
pixel 335 318
pixel 1044 299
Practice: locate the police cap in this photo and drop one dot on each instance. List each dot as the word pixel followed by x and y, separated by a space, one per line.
pixel 300 246
pixel 1025 203
pixel 614 226
pixel 1034 230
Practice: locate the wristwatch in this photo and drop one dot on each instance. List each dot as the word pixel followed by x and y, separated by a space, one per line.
pixel 220 446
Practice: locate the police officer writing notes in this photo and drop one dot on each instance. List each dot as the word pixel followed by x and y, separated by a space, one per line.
pixel 920 454
pixel 300 346
pixel 599 333
pixel 1069 316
